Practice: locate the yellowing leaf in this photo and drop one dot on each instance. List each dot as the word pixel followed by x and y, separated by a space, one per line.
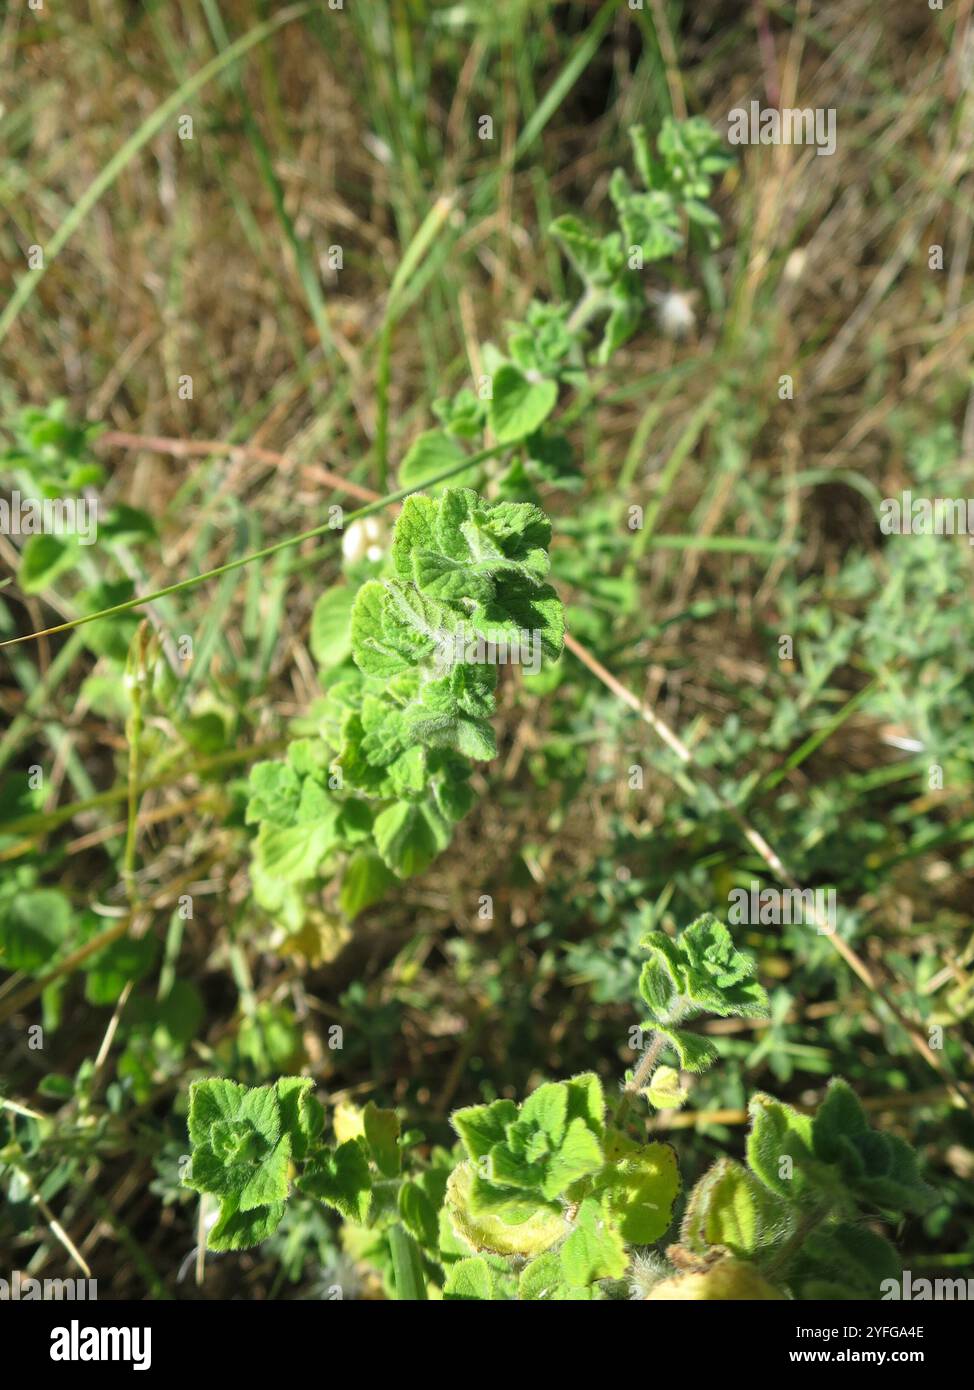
pixel 319 940
pixel 489 1232
pixel 639 1190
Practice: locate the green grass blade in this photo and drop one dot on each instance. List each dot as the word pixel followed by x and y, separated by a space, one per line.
pixel 430 228
pixel 149 127
pixel 407 1266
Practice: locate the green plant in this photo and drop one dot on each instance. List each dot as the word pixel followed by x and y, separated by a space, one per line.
pixel 652 222
pixel 376 795
pixel 717 552
pixel 379 791
pixel 550 348
pixel 560 1197
pixel 51 459
pixel 52 451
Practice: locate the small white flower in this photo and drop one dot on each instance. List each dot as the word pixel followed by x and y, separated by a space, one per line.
pixel 675 314
pixel 365 540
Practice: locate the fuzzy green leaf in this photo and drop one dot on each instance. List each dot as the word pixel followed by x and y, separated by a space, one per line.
pixel 779 1146
pixel 470 1280
pixel 550 1143
pixel 239 1155
pixel 695 1052
pixel 331 626
pixel 302 1116
pixel 729 1207
pixel 382 1136
pixel 706 972
pixel 275 792
pixel 409 835
pixel 415 533
pixel 518 405
pixel 540 1227
pixel 638 1191
pixel 340 1179
pixel 543 1281
pixel 472 737
pixel 377 652
pixel 594 1249
pixel 480 1127
pixel 546 1108
pixel 442 577
pixel 239 1230
pixel 209 1102
pixel 880 1168
pixel 294 854
pixel 366 880
pixel 586 1101
pixel 511 1202
pixel 578 1154
pixel 843 1261
pixel 268 1184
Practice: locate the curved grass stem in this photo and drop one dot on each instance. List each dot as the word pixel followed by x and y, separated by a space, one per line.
pixel 390 497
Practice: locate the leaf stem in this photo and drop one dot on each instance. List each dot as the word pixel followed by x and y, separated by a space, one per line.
pixel 134 727
pixel 587 307
pixel 640 1077
pixel 647 1065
